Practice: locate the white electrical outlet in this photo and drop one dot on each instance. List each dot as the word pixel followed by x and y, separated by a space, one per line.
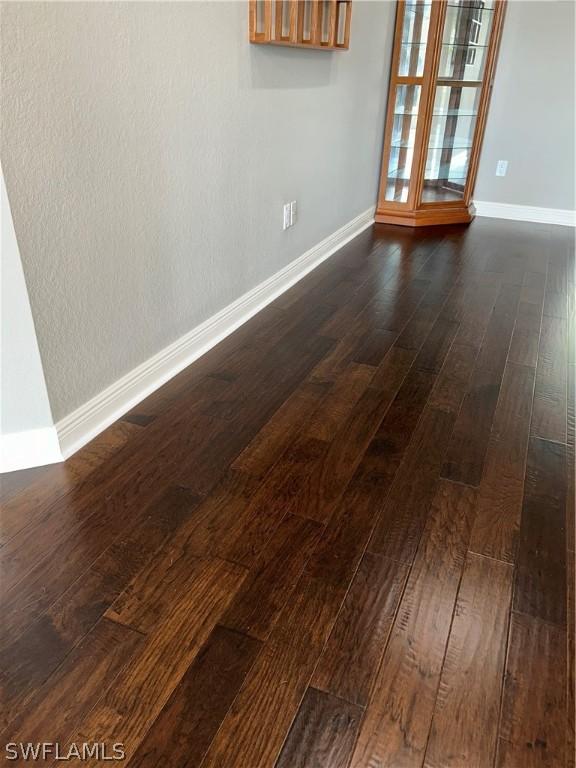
pixel 293 212
pixel 501 167
pixel 287 213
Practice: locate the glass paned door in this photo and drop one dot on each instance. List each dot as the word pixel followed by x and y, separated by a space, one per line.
pixel 403 140
pixel 465 39
pixel 415 26
pixel 407 89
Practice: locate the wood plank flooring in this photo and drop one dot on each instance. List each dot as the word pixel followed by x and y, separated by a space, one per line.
pixel 344 538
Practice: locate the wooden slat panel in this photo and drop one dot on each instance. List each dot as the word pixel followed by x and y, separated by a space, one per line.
pixel 252 20
pixel 467 449
pixel 52 575
pixel 495 346
pixel 332 21
pixel 465 724
pixel 555 304
pixel 402 519
pixel 540 584
pixel 373 346
pixel 397 721
pixel 205 535
pixel 534 286
pixel 351 657
pixel 388 446
pixel 144 686
pixel 344 541
pixel 283 490
pixel 300 22
pixel 532 731
pixel 69 694
pixel 272 578
pixel 422 321
pixel 454 379
pixel 26 550
pixel 183 731
pixel 480 303
pixel 524 343
pixel 391 311
pixel 570 565
pixel 322 734
pixel 69 549
pixel 27 505
pixel 32 656
pixel 327 419
pixel 127 475
pixel 315 24
pixel 293 34
pixel 254 730
pixel 571 660
pixel 331 477
pixel 346 41
pixel 392 371
pixel 273 439
pixel 279 12
pixel 437 345
pixel 549 420
pixel 497 522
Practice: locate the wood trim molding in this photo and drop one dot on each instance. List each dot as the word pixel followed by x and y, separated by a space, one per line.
pixel 561 216
pixel 425 217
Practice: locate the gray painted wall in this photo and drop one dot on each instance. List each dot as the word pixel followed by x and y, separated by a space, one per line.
pixel 148 149
pixel 24 400
pixel 531 119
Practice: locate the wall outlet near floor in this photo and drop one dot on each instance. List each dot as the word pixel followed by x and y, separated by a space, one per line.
pixel 501 167
pixel 289 214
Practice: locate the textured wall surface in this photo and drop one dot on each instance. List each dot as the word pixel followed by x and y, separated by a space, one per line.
pixel 24 401
pixel 531 119
pixel 148 149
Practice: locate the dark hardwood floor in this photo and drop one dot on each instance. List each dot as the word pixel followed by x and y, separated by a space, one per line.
pixel 344 538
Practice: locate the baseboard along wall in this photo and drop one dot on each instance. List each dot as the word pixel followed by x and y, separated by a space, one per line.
pixel 50 445
pixel 561 216
pixel 91 418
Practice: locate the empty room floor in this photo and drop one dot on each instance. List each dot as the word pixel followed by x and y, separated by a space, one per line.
pixel 343 537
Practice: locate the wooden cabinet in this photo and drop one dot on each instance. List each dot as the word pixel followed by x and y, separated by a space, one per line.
pixel 322 25
pixel 442 69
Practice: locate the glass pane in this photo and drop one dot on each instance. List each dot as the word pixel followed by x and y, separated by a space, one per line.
pixel 450 143
pixel 483 4
pixel 465 40
pixel 411 60
pixel 415 26
pixel 402 144
pixel 416 21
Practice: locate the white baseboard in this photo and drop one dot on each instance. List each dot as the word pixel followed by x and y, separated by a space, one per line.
pixel 32 448
pixel 87 421
pixel 561 216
